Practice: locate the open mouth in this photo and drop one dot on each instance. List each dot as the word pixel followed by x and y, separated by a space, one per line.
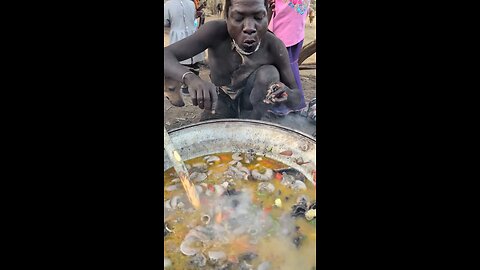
pixel 249 45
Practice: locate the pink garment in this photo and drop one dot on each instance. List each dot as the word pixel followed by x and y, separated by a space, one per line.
pixel 289 21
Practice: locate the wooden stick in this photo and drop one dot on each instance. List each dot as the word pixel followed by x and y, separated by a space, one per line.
pixel 181 169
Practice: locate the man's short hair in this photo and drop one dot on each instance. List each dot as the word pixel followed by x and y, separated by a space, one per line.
pixel 228 3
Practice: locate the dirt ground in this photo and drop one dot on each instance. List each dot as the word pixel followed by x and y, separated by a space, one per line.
pixel 175 117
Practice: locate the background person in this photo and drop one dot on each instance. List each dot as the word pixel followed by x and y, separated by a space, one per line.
pixel 179 16
pixel 288 24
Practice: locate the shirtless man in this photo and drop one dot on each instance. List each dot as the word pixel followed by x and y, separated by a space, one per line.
pixel 249 66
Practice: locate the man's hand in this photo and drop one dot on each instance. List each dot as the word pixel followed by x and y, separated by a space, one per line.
pixel 271 4
pixel 203 93
pixel 277 93
pixel 270 10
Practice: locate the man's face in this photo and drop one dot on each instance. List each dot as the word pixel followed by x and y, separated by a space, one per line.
pixel 247 23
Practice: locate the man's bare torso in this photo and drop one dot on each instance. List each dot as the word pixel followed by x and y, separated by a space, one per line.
pixel 248 70
pixel 227 68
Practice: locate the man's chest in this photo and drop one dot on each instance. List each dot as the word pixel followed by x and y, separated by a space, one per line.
pixel 227 62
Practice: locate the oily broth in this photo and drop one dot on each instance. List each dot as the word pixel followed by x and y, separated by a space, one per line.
pixel 278 250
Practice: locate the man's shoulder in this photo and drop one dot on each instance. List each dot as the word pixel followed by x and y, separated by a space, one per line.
pixel 216 26
pixel 219 23
pixel 213 32
pixel 272 40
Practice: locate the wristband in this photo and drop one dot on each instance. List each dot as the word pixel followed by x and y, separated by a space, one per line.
pixel 185 74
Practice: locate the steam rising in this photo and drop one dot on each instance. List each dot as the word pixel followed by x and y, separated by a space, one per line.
pixel 294 121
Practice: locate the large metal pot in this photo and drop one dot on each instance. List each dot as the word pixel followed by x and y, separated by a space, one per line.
pixel 283 144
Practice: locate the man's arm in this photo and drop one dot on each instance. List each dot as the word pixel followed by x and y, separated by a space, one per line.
pixel 206 37
pixel 282 63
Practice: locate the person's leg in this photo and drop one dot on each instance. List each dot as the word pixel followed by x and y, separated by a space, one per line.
pixel 202 18
pixel 255 91
pixel 226 108
pixel 294 55
pixel 196 68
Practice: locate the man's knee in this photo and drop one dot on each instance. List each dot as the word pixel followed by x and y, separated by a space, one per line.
pixel 267 74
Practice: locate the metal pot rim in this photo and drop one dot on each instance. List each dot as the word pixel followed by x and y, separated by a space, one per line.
pixel 291 147
pixel 243 121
